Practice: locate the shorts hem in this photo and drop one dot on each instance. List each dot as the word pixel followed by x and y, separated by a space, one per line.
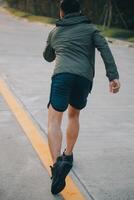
pixel 55 108
pixel 76 107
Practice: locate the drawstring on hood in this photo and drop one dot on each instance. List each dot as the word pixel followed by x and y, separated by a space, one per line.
pixel 72 19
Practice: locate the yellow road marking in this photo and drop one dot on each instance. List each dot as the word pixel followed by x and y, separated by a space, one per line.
pixel 71 192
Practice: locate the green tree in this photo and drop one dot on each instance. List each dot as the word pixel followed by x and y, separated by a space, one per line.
pixel 107 12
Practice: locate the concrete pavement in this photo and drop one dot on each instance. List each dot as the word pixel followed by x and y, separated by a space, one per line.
pixel 22 176
pixel 104 160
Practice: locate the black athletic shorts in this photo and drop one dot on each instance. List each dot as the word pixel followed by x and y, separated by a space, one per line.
pixel 67 88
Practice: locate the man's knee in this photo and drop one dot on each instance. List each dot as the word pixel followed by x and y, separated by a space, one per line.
pixel 54 116
pixel 73 113
pixel 54 120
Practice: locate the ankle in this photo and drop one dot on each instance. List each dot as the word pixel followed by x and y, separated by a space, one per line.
pixel 68 156
pixel 68 153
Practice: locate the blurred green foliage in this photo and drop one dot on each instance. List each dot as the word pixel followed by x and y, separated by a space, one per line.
pixel 122 10
pixel 127 35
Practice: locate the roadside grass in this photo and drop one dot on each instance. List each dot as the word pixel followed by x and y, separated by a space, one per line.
pixel 30 17
pixel 117 33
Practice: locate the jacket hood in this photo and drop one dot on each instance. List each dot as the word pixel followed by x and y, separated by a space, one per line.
pixel 72 19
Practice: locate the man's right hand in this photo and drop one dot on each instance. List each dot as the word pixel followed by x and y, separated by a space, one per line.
pixel 114 86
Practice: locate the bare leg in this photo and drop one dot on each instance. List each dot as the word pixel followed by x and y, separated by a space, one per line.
pixel 72 129
pixel 54 132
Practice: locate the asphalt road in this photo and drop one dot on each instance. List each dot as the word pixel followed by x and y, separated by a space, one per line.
pixel 104 154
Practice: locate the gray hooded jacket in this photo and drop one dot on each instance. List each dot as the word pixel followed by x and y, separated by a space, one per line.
pixel 72 45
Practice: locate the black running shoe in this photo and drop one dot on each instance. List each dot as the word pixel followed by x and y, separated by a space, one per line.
pixel 68 158
pixel 59 172
pixel 54 167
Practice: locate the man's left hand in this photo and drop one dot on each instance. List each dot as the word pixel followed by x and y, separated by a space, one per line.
pixel 114 86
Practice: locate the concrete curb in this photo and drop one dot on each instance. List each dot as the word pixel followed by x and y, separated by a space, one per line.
pixel 120 42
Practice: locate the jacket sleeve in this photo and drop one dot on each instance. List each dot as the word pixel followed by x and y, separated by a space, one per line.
pixel 102 45
pixel 49 52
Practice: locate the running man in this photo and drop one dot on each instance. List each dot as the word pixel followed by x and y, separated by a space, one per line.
pixel 72 45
